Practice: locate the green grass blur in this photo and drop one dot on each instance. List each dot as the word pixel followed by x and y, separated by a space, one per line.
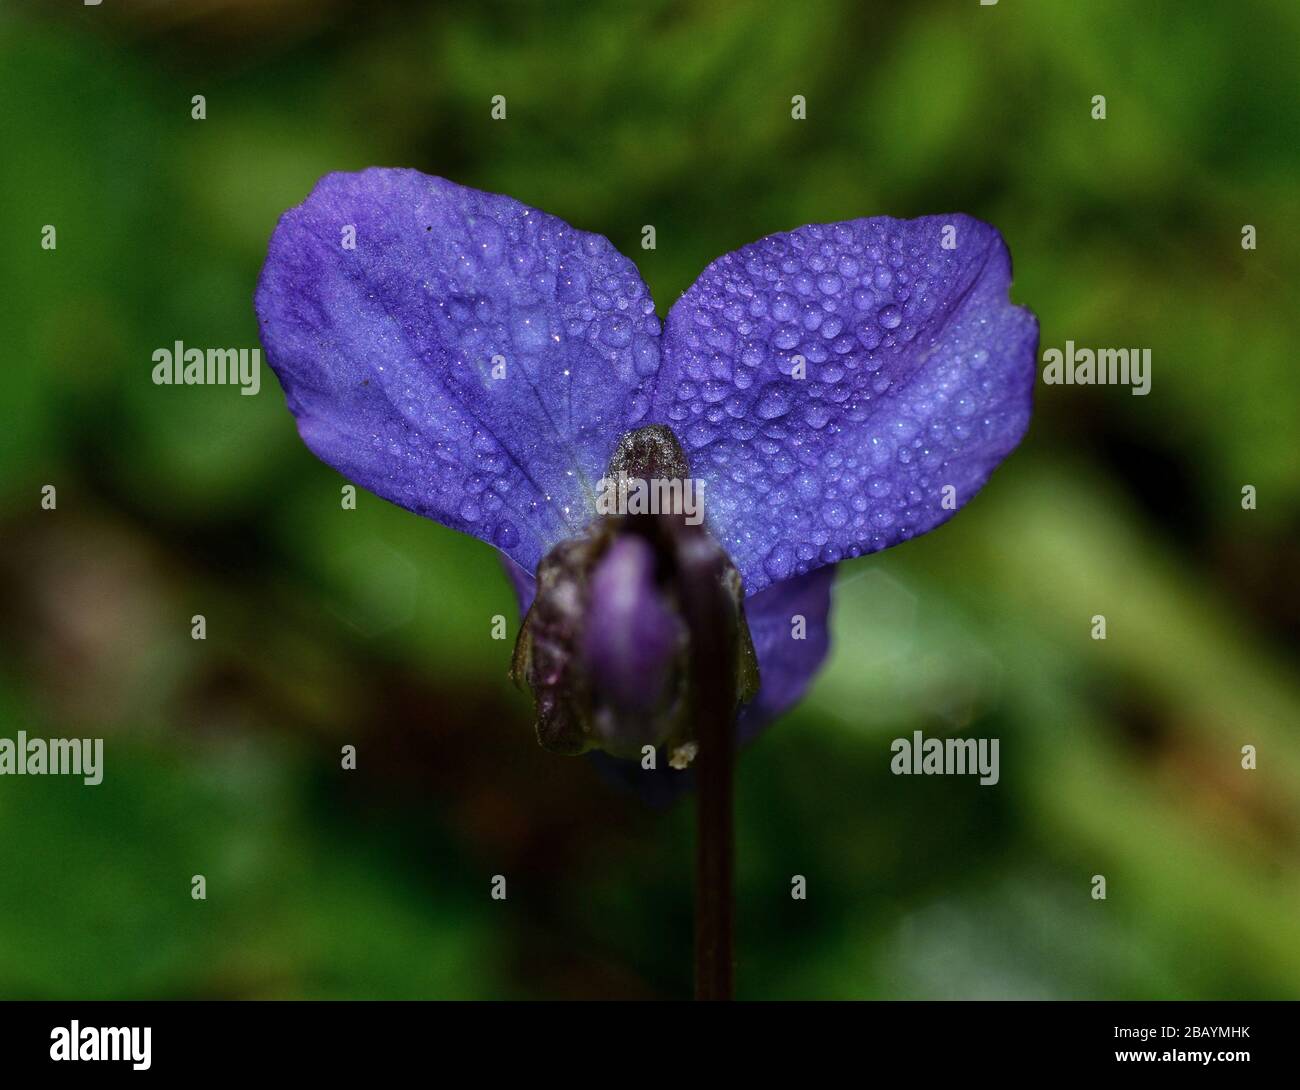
pixel 371 627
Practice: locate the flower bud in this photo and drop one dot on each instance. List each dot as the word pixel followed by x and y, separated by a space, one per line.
pixel 631 622
pixel 630 644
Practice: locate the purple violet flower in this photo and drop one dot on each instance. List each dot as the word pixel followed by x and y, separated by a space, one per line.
pixel 832 390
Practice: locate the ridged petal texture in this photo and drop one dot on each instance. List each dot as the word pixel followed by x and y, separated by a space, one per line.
pixel 838 388
pixel 470 358
pixel 845 387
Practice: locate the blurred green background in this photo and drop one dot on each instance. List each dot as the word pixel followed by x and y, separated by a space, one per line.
pixel 371 627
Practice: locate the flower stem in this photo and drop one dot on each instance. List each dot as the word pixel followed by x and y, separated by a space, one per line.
pixel 715 859
pixel 711 605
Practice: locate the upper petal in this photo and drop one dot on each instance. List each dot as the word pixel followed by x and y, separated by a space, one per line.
pixel 918 374
pixel 469 358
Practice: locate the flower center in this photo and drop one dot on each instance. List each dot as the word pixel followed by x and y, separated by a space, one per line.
pixel 633 618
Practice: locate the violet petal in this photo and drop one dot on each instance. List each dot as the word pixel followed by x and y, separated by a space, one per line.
pixel 918 378
pixel 470 358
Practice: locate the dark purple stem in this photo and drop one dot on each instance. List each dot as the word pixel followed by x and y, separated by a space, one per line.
pixel 711 617
pixel 715 860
